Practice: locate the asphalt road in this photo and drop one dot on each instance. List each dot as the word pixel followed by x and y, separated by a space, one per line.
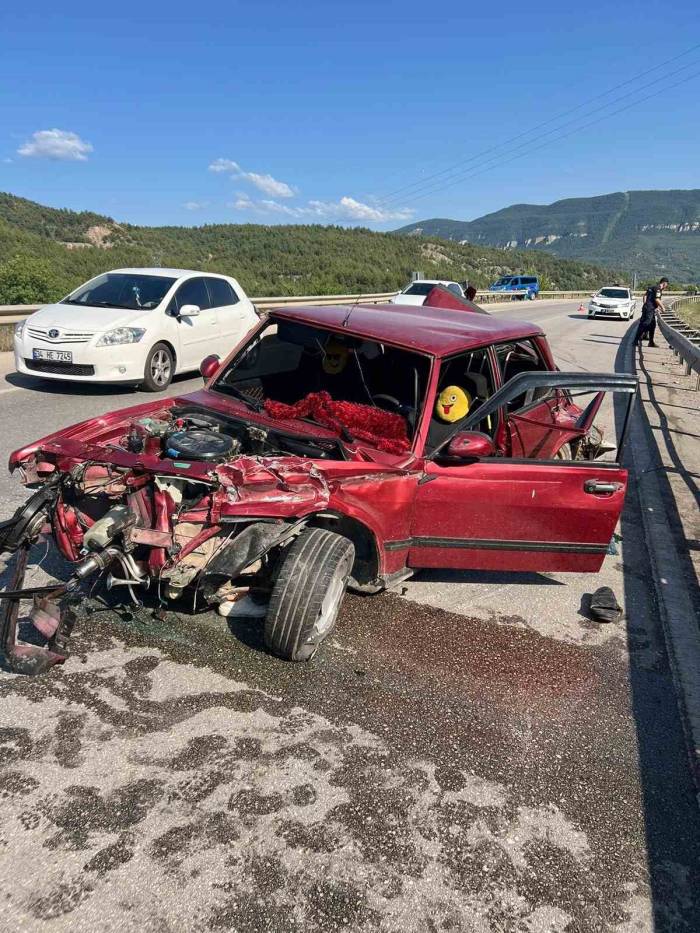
pixel 474 754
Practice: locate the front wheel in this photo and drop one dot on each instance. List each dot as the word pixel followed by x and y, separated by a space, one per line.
pixel 158 372
pixel 307 594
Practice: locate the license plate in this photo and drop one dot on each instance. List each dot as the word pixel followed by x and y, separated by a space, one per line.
pixel 54 356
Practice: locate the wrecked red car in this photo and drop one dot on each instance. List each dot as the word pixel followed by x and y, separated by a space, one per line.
pixel 334 447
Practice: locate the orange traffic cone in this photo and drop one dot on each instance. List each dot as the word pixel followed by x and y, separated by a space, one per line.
pixel 581 309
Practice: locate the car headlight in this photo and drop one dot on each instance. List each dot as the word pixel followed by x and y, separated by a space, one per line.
pixel 594 302
pixel 121 335
pixel 19 328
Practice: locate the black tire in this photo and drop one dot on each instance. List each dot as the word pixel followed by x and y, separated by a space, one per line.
pixel 158 371
pixel 307 594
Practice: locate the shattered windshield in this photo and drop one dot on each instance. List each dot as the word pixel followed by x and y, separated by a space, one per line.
pixel 132 291
pixel 306 367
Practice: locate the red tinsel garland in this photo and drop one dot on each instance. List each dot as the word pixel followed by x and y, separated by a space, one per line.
pixel 382 429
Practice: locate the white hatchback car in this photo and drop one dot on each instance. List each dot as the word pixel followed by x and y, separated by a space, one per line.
pixel 418 290
pixel 613 301
pixel 135 325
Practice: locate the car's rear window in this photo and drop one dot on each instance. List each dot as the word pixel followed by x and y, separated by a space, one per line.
pixel 419 288
pixel 614 293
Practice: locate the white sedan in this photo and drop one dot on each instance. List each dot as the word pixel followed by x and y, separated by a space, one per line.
pixel 135 325
pixel 613 301
pixel 417 291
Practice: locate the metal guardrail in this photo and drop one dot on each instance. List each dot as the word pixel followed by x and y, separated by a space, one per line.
pixel 683 338
pixel 12 314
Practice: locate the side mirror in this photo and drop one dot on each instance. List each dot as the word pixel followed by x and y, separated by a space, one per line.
pixel 189 311
pixel 209 365
pixel 469 445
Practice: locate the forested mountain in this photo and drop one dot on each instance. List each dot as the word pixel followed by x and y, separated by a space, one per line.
pixel 65 248
pixel 650 232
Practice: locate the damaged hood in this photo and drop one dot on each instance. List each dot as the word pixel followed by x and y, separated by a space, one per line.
pixel 244 484
pixel 262 486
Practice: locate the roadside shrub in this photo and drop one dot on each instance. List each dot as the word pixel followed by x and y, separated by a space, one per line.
pixel 25 280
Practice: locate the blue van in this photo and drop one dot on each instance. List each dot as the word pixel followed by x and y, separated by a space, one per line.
pixel 517 283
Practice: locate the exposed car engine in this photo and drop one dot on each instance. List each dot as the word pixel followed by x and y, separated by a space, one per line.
pixel 193 435
pixel 160 527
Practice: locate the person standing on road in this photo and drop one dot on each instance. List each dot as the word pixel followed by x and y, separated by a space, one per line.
pixel 652 301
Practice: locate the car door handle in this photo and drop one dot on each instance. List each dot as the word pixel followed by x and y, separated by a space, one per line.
pixel 595 488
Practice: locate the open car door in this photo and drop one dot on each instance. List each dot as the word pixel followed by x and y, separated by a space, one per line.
pixel 536 512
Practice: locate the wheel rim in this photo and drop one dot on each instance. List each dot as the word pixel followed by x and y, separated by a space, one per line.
pixel 160 367
pixel 331 601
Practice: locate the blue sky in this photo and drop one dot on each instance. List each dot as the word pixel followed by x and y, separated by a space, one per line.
pixel 329 112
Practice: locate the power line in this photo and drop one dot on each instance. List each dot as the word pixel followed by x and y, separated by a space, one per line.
pixel 447 171
pixel 527 144
pixel 558 138
pixel 478 169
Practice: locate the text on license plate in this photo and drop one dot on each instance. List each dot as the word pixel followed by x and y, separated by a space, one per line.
pixel 55 356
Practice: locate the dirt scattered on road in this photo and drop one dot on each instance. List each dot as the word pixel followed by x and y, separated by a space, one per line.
pixel 427 771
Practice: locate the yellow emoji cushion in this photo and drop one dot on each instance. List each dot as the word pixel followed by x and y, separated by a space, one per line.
pixel 452 404
pixel 335 357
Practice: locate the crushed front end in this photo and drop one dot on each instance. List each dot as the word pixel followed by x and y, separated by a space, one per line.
pixel 178 501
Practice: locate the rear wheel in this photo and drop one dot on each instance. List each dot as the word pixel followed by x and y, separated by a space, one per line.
pixel 307 594
pixel 158 372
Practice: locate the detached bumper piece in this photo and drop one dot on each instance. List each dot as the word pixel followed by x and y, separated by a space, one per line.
pixel 52 622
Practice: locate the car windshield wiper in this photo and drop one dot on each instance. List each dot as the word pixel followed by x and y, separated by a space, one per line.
pixel 99 304
pixel 252 403
pixel 113 304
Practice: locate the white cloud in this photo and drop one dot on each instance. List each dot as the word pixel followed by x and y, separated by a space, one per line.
pixel 346 208
pixel 265 183
pixel 56 144
pixel 277 208
pixel 269 185
pixel 225 165
pixel 360 211
pixel 195 205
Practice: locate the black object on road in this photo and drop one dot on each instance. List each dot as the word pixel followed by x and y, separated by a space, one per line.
pixel 604 607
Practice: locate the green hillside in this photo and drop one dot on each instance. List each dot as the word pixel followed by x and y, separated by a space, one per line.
pixel 650 232
pixel 63 248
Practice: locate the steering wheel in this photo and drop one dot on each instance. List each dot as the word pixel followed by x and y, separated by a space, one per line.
pixel 388 402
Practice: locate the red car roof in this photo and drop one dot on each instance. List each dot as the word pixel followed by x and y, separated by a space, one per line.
pixel 438 331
